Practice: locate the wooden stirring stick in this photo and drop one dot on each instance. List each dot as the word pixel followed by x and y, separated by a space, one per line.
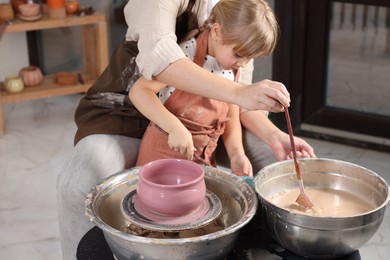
pixel 303 199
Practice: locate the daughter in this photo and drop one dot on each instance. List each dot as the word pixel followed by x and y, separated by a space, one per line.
pixel 188 126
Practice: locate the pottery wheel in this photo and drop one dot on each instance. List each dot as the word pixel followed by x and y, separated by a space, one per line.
pixel 138 214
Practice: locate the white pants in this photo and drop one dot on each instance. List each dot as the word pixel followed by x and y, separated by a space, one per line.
pixel 99 156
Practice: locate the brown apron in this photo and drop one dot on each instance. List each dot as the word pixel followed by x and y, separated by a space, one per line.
pixel 205 118
pixel 106 108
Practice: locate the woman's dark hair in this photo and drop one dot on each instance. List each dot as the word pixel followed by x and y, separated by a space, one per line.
pixel 186 22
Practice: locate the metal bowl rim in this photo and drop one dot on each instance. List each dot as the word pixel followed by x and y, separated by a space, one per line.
pixel 378 208
pixel 89 211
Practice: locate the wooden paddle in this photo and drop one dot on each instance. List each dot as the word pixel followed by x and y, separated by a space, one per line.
pixel 303 199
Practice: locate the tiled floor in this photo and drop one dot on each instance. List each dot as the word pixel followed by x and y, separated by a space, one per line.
pixel 38 138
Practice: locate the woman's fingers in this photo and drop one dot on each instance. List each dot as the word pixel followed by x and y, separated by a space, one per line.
pixel 275 95
pixel 264 95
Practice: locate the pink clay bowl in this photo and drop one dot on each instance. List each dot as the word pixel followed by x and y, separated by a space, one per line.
pixel 171 187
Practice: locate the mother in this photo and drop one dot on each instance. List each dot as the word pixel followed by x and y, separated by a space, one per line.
pixel 110 128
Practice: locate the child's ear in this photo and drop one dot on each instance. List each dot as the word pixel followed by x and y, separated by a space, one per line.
pixel 216 31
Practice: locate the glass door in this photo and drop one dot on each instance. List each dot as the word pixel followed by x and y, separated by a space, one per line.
pixel 343 61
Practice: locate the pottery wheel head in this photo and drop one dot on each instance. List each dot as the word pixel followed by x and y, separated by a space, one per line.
pixel 137 214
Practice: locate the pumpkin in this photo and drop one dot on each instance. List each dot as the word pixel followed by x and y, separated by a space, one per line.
pixel 31 75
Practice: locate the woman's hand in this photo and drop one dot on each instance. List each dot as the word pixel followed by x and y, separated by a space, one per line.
pixel 240 165
pixel 283 151
pixel 180 140
pixel 264 95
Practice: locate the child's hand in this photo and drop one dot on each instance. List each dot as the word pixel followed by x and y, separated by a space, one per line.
pixel 240 165
pixel 180 140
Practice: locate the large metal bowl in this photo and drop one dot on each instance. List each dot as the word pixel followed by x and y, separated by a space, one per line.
pixel 239 205
pixel 322 237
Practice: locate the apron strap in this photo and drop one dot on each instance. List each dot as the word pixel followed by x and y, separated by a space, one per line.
pixel 201 51
pixel 201 48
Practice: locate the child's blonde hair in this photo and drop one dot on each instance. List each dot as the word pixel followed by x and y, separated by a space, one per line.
pixel 248 24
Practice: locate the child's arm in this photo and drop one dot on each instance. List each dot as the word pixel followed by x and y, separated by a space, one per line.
pixel 232 138
pixel 143 95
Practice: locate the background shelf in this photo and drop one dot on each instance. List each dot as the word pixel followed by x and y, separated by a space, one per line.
pixel 95 57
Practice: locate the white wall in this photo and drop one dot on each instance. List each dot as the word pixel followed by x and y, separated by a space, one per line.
pixel 62 49
pixel 263 68
pixel 13 52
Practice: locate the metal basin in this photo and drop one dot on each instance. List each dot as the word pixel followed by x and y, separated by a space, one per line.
pixel 239 205
pixel 322 237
